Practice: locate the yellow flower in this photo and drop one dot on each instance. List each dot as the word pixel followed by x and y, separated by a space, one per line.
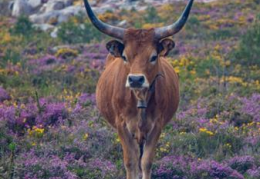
pixel 15 104
pixel 162 149
pixel 233 80
pixel 37 132
pixel 117 139
pixel 228 145
pixel 207 71
pixel 227 63
pixel 168 144
pixel 177 69
pixel 202 129
pixel 6 38
pixel 162 135
pixel 193 72
pixel 210 133
pixel 85 137
pixel 66 52
pixel 108 16
pixel 217 47
pixel 22 106
pixel 153 25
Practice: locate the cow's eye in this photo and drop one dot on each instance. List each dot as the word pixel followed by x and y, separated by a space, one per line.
pixel 124 58
pixel 154 58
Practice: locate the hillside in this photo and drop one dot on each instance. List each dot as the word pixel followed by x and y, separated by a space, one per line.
pixel 50 126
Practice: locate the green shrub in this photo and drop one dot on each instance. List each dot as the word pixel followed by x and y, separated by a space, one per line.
pixel 205 144
pixel 71 33
pixel 151 15
pixel 249 49
pixel 22 27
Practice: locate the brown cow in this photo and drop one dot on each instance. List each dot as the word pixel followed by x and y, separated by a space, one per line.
pixel 138 92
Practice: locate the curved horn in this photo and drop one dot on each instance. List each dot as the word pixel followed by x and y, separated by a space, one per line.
pixel 167 31
pixel 112 31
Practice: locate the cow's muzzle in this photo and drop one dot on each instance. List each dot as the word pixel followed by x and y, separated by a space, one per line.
pixel 137 81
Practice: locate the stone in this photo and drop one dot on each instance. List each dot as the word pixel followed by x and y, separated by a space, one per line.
pixel 54 33
pixel 57 16
pixel 43 27
pixel 55 5
pixel 44 18
pixel 70 11
pixel 20 7
pixel 34 3
pixel 122 23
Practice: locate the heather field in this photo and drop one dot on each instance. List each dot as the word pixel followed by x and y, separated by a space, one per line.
pixel 50 126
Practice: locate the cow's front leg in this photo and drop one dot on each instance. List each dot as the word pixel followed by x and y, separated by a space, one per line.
pixel 130 151
pixel 149 152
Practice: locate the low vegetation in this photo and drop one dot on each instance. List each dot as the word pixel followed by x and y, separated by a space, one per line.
pixel 49 124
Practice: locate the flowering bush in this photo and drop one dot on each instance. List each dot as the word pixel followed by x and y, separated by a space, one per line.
pixel 4 95
pixel 25 116
pixel 187 167
pixel 242 163
pixel 213 169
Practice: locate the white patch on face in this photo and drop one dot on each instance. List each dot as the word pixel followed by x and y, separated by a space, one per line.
pixel 124 58
pixel 145 84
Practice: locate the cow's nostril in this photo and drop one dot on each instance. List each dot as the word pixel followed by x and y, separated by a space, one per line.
pixel 141 79
pixel 130 79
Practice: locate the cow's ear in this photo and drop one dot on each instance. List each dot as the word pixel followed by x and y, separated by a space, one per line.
pixel 115 47
pixel 165 46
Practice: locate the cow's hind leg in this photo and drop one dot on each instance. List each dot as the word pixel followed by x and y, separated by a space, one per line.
pixel 149 152
pixel 130 151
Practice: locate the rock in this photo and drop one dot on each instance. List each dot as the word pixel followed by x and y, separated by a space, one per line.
pixel 54 33
pixel 34 3
pixel 21 7
pixel 131 1
pixel 70 11
pixel 43 27
pixel 44 18
pixel 73 10
pixel 103 8
pixel 11 5
pixel 55 5
pixel 57 16
pixel 133 5
pixel 123 23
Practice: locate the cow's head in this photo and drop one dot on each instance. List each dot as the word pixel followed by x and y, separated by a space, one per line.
pixel 139 49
